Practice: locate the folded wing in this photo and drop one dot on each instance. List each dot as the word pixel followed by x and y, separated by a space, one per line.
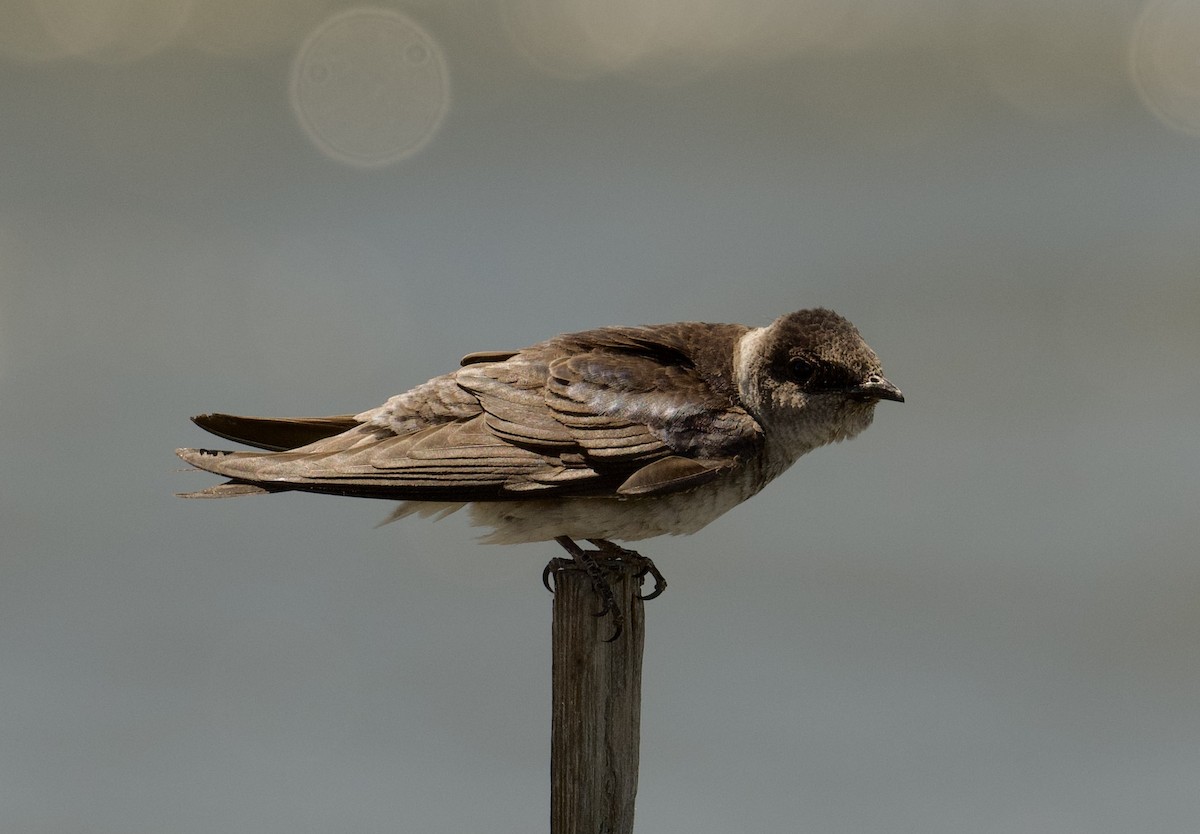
pixel 610 412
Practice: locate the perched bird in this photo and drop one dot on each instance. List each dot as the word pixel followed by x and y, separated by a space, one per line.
pixel 615 433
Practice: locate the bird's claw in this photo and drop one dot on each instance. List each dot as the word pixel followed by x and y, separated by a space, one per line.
pixel 552 567
pixel 646 566
pixel 660 582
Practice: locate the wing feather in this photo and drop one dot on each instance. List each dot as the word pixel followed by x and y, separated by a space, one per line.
pixel 617 411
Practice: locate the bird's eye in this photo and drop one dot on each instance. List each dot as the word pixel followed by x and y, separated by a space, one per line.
pixel 801 370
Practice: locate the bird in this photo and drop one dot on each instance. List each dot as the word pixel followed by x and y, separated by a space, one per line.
pixel 613 434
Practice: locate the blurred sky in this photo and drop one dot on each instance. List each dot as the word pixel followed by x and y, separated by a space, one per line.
pixel 982 615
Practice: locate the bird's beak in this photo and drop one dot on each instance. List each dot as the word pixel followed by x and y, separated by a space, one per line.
pixel 877 388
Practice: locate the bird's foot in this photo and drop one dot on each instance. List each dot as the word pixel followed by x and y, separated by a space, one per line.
pixel 613 558
pixel 645 565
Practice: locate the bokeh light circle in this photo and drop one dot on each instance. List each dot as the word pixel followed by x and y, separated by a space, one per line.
pixel 1164 60
pixel 370 87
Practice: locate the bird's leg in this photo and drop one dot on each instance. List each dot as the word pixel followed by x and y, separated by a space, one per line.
pixel 644 563
pixel 586 560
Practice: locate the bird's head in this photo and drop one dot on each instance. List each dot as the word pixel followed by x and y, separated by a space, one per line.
pixel 810 379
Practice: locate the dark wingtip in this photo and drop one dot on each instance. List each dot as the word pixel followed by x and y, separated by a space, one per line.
pixel 275 434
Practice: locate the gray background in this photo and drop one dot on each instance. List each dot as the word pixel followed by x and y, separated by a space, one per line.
pixel 983 615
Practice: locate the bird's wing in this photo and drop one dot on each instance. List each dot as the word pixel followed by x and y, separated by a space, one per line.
pixel 609 412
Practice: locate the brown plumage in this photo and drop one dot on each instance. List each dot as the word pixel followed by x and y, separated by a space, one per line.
pixel 614 433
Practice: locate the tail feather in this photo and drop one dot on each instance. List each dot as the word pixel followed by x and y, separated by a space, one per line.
pixel 276 434
pixel 229 489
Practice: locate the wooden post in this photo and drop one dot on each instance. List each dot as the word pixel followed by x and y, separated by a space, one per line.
pixel 597 694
